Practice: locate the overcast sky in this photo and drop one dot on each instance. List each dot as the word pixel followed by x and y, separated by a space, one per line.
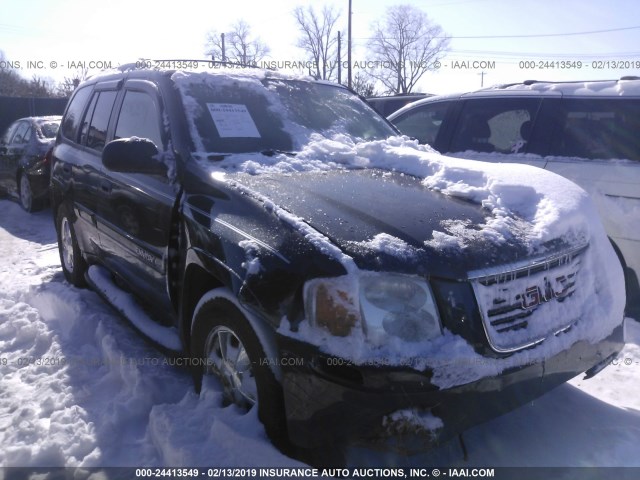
pixel 121 31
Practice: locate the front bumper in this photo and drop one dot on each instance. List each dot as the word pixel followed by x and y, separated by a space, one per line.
pixel 328 400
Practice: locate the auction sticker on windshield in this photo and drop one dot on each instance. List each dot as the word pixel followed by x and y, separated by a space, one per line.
pixel 233 120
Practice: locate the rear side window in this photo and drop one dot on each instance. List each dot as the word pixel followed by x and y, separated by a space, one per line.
pixel 71 121
pixel 139 117
pixel 84 129
pixel 96 132
pixel 22 133
pixel 9 133
pixel 598 128
pixel 500 125
pixel 423 123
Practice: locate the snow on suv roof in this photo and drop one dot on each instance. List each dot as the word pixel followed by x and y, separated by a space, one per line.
pixel 624 86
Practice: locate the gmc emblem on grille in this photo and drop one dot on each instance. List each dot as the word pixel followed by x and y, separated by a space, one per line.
pixel 534 296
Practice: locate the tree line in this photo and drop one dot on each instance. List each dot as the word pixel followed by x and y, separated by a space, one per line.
pixel 14 85
pixel 403 46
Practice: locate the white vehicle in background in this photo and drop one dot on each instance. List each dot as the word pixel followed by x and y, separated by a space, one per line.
pixel 588 132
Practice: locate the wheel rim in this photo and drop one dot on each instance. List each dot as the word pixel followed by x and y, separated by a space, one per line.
pixel 26 197
pixel 227 357
pixel 66 241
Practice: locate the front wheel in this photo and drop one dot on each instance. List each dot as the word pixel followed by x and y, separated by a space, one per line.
pixel 222 339
pixel 73 265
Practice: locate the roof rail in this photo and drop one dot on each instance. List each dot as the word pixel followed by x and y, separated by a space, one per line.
pixel 533 82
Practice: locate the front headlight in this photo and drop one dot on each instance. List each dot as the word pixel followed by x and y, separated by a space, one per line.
pixel 383 304
pixel 398 305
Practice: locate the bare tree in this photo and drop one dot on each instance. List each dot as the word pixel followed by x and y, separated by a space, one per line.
pixel 238 47
pixel 14 85
pixel 364 85
pixel 10 82
pixel 319 38
pixel 69 84
pixel 39 87
pixel 406 45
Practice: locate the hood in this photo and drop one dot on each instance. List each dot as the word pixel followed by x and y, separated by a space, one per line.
pixel 387 220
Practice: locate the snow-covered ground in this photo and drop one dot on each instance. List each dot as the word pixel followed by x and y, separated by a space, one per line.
pixel 78 387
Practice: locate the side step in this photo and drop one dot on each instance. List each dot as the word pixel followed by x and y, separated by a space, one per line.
pixel 125 303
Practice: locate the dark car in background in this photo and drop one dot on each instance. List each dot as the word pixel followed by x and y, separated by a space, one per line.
pixel 24 160
pixel 588 132
pixel 387 104
pixel 231 204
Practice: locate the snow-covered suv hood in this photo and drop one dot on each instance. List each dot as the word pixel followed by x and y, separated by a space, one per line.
pixel 518 209
pixel 516 201
pixel 391 221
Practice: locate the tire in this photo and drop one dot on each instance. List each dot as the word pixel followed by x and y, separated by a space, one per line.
pixel 222 339
pixel 25 192
pixel 73 264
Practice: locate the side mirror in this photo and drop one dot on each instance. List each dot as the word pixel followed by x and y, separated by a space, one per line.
pixel 133 155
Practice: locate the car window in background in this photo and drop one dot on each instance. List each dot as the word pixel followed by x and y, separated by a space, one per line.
pixel 598 129
pixel 49 129
pixel 6 138
pixel 495 125
pixel 22 134
pixel 423 123
pixel 139 118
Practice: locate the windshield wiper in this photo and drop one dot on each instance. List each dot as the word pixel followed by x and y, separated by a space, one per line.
pixel 216 157
pixel 270 152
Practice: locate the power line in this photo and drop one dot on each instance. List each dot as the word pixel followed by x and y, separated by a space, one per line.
pixel 536 35
pixel 452 3
pixel 591 32
pixel 543 54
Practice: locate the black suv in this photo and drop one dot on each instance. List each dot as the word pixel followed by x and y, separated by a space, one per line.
pixel 386 105
pixel 279 234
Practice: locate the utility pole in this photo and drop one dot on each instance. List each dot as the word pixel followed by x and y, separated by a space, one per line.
pixel 349 49
pixel 224 56
pixel 481 78
pixel 339 58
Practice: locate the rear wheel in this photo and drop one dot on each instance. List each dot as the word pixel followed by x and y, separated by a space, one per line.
pixel 26 194
pixel 223 340
pixel 73 265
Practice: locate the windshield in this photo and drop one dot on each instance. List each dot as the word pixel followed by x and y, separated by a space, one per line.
pixel 241 115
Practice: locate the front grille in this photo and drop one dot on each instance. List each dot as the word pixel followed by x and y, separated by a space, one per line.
pixel 522 305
